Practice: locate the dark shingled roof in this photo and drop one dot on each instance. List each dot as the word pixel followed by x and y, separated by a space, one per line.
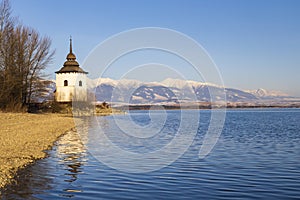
pixel 71 65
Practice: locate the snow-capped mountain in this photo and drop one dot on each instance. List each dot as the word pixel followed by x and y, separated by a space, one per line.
pixel 169 90
pixel 262 93
pixel 173 91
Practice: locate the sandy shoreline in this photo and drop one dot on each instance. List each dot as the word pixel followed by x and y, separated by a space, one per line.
pixel 24 138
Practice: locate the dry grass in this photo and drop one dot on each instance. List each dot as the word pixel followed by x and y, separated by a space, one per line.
pixel 24 137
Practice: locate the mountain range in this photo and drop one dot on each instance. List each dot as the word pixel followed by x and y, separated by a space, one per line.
pixel 174 91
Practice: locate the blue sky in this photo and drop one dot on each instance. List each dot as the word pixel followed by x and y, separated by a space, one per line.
pixel 254 43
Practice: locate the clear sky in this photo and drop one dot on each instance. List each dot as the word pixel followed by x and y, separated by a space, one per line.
pixel 254 43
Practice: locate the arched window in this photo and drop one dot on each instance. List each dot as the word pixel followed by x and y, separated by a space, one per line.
pixel 65 83
pixel 80 83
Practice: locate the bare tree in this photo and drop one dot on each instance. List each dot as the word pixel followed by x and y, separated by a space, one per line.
pixel 24 55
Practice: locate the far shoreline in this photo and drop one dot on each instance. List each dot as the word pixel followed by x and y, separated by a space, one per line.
pixel 209 107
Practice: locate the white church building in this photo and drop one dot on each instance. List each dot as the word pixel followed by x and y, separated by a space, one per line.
pixel 71 81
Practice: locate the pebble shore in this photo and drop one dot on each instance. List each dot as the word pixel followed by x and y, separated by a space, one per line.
pixel 24 138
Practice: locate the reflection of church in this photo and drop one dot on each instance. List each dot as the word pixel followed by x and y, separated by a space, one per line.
pixel 71 151
pixel 71 81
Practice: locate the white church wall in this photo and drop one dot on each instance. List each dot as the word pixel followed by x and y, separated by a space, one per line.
pixel 73 89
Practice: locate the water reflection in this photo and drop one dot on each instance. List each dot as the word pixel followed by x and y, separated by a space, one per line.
pixel 254 159
pixel 27 183
pixel 65 160
pixel 71 152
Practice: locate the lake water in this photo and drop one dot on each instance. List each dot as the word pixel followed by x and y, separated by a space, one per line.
pixel 257 156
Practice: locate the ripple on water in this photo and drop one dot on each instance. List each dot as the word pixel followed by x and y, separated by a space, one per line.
pixel 256 157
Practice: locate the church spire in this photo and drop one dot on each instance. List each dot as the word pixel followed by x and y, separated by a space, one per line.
pixel 71 65
pixel 71 55
pixel 71 44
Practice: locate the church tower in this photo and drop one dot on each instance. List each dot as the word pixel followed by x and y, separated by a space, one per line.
pixel 71 81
